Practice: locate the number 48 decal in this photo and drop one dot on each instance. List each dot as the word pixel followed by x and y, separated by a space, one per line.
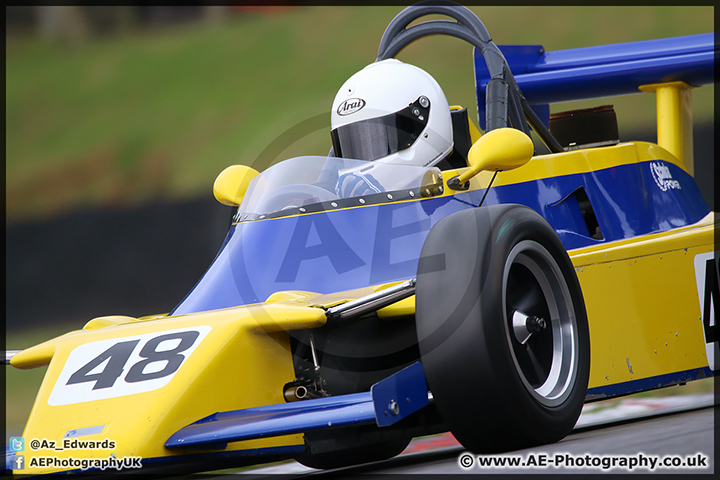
pixel 708 286
pixel 124 366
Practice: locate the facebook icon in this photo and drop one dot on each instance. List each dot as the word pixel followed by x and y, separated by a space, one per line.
pixel 19 462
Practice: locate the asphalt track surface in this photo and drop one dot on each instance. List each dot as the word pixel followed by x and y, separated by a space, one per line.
pixel 682 434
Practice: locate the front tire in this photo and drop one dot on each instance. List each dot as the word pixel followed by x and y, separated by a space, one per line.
pixel 354 456
pixel 502 329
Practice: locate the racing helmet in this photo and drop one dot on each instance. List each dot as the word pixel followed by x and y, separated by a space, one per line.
pixel 392 112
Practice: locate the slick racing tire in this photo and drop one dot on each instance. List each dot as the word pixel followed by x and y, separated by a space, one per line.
pixel 502 329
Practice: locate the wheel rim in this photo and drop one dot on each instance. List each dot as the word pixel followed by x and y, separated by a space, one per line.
pixel 534 291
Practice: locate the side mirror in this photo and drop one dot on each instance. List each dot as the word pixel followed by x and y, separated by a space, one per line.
pixel 232 183
pixel 499 149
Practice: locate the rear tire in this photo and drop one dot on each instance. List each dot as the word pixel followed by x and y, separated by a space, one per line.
pixel 484 273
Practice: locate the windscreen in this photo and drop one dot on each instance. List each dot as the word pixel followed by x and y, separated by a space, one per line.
pixel 313 183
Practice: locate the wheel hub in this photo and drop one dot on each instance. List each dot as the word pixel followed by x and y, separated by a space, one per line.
pixel 540 323
pixel 525 325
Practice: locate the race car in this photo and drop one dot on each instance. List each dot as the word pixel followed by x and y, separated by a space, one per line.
pixel 356 304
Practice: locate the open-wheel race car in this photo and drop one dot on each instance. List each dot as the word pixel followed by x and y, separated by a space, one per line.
pixel 361 299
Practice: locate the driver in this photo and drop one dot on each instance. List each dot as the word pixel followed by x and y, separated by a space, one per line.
pixel 388 112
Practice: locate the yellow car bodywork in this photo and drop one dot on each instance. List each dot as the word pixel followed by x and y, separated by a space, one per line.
pixel 638 330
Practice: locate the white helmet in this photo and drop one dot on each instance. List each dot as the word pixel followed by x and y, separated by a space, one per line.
pixel 392 112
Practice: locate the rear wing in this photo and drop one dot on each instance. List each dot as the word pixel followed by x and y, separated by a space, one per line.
pixel 669 67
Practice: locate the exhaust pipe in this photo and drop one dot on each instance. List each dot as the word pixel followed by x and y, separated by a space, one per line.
pixel 293 394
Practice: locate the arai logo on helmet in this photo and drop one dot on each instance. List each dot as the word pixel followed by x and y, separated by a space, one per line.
pixel 351 105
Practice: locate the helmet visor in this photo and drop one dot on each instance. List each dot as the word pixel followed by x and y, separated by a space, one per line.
pixel 381 136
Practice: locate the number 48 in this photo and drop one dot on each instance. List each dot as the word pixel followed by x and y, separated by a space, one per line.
pixel 118 355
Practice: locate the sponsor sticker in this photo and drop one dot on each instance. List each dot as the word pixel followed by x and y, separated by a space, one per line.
pixel 351 105
pixel 663 178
